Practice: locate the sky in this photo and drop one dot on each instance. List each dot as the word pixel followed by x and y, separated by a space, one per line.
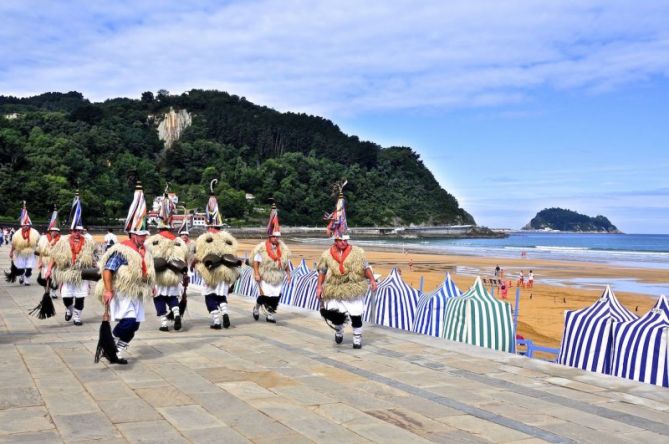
pixel 514 106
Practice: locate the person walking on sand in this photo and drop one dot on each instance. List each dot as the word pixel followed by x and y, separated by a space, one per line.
pixel 521 279
pixel 530 280
pixel 504 290
pixel 343 273
pixel 497 270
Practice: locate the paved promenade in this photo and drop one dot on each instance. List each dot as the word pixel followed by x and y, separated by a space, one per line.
pixel 290 383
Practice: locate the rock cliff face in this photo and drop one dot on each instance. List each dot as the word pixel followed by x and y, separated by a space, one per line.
pixel 172 126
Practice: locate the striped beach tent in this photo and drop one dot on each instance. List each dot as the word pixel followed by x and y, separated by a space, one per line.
pixel 640 346
pixel 246 284
pixel 431 308
pixel 478 318
pixel 396 303
pixel 587 341
pixel 288 289
pixel 304 291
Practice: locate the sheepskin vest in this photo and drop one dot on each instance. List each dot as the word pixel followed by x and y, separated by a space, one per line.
pixel 350 285
pixel 218 243
pixel 44 248
pixel 270 271
pixel 171 250
pixel 65 271
pixel 128 279
pixel 25 246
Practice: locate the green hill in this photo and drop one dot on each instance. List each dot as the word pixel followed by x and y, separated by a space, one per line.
pixel 566 220
pixel 51 142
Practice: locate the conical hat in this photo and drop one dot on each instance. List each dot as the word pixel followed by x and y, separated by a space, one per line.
pixel 24 218
pixel 75 213
pixel 165 211
pixel 135 223
pixel 273 227
pixel 183 228
pixel 214 218
pixel 53 222
pixel 337 226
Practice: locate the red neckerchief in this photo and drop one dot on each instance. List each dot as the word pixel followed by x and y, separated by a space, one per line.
pixel 140 250
pixel 25 233
pixel 52 239
pixel 167 234
pixel 76 246
pixel 276 257
pixel 334 252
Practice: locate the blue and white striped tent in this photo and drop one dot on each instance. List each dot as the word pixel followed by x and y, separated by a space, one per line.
pixel 587 341
pixel 288 289
pixel 431 308
pixel 478 318
pixel 396 303
pixel 640 346
pixel 304 291
pixel 246 284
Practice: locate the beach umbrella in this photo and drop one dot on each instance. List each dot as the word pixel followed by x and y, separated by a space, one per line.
pixel 640 348
pixel 587 341
pixel 431 308
pixel 396 303
pixel 477 318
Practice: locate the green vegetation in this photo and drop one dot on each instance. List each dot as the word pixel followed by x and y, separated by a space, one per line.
pixel 57 140
pixel 567 220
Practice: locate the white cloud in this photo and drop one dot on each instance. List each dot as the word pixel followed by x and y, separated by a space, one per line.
pixel 333 57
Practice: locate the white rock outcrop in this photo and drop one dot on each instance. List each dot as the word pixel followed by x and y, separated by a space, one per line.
pixel 173 125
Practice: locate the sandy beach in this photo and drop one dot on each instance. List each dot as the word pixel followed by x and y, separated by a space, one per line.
pixel 541 308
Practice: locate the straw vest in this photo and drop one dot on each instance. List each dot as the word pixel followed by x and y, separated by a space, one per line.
pixel 270 271
pixel 219 243
pixel 348 286
pixel 128 279
pixel 66 271
pixel 44 247
pixel 25 246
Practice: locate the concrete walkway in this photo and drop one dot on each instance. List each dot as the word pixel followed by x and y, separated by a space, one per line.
pixel 258 382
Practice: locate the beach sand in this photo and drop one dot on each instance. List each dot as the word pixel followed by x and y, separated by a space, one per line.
pixel 541 308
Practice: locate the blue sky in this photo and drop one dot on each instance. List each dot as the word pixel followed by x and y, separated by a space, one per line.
pixel 514 106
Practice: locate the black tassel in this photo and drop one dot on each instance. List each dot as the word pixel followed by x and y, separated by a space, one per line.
pixel 12 275
pixel 107 346
pixel 45 308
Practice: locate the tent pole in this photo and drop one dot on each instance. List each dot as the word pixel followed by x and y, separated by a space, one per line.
pixel 516 310
pixel 420 286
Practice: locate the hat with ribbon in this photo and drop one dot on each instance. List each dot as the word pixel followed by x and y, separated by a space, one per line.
pixel 53 222
pixel 165 211
pixel 24 219
pixel 214 218
pixel 75 213
pixel 273 227
pixel 337 226
pixel 135 223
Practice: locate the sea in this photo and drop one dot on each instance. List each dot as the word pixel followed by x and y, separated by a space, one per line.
pixel 628 250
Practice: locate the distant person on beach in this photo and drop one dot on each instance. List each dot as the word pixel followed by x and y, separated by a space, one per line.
pixel 497 270
pixel 530 279
pixel 521 279
pixel 110 239
pixel 410 264
pixel 504 290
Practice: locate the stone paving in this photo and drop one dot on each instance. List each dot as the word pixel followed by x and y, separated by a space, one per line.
pixel 289 382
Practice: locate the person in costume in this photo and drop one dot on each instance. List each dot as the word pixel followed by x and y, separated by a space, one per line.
pixel 128 276
pixel 170 255
pixel 343 273
pixel 70 256
pixel 44 245
pixel 218 273
pixel 22 251
pixel 270 268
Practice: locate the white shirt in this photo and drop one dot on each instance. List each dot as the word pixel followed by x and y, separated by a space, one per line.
pixel 110 237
